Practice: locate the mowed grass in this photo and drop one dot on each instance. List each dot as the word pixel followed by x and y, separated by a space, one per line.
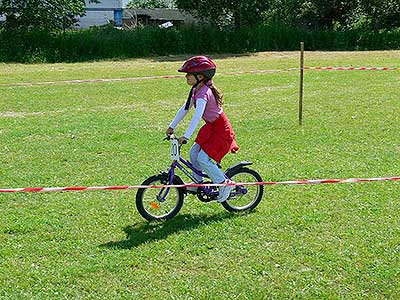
pixel 337 241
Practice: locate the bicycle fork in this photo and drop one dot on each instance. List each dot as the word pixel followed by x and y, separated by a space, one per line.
pixel 162 195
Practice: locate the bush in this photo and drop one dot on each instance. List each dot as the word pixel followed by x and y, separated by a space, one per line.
pixel 110 43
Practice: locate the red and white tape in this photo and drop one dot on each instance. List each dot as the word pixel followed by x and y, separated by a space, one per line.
pixel 180 76
pixel 90 80
pixel 129 187
pixel 75 81
pixel 352 68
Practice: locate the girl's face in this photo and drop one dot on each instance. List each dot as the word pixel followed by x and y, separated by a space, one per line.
pixel 191 80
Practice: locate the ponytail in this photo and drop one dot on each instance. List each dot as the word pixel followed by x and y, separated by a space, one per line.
pixel 219 96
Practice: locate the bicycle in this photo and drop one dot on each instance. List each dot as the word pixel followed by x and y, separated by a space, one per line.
pixel 165 203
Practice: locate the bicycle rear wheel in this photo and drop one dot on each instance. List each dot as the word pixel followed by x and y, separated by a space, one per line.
pixel 244 198
pixel 156 204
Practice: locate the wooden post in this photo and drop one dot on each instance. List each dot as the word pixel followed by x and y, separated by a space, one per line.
pixel 301 83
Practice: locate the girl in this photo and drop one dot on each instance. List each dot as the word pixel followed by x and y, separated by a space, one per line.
pixel 216 138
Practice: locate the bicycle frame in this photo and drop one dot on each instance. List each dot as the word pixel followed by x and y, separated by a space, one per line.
pixel 182 164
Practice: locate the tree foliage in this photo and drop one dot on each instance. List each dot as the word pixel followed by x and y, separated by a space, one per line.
pixel 151 4
pixel 41 14
pixel 379 14
pixel 226 12
pixel 314 14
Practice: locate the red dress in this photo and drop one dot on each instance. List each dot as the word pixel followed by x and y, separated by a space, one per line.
pixel 217 138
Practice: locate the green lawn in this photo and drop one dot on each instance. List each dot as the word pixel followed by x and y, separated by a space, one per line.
pixel 302 242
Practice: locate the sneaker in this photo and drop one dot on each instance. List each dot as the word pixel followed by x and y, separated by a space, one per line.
pixel 225 191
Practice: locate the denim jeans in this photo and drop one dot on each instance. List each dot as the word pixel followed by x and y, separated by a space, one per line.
pixel 201 161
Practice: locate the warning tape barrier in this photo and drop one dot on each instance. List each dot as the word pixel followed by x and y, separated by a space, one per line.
pixel 181 76
pixel 129 187
pixel 133 78
pixel 90 80
pixel 352 68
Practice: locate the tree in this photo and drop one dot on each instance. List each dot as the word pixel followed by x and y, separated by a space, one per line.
pixel 336 14
pixel 151 4
pixel 41 14
pixel 379 14
pixel 316 14
pixel 227 12
pixel 331 13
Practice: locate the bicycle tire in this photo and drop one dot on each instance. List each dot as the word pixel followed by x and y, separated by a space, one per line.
pixel 234 204
pixel 150 208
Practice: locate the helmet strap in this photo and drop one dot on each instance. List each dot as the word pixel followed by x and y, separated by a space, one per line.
pixel 187 104
pixel 197 79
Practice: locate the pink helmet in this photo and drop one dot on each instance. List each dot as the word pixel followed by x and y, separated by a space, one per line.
pixel 199 65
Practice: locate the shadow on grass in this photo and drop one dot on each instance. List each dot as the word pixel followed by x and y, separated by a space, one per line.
pixel 141 233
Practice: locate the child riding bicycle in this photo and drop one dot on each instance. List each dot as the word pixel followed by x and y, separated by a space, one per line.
pixel 216 137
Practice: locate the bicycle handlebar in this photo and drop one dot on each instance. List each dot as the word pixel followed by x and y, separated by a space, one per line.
pixel 172 137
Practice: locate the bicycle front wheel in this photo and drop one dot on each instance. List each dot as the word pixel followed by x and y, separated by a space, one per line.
pixel 158 204
pixel 244 198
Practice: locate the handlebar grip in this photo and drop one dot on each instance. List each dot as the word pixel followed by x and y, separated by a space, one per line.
pixel 172 136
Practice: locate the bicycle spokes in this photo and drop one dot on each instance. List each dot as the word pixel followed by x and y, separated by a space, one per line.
pixel 162 195
pixel 158 204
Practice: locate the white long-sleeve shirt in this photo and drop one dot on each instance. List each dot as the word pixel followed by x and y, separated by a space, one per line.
pixel 198 114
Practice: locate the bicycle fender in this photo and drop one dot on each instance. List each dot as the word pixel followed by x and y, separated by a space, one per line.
pixel 237 166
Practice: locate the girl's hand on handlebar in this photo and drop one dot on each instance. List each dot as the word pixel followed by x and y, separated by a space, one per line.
pixel 182 140
pixel 169 131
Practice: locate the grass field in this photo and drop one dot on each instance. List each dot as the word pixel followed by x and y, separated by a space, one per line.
pixel 302 242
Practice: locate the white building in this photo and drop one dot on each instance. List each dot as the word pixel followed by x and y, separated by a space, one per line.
pixel 102 13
